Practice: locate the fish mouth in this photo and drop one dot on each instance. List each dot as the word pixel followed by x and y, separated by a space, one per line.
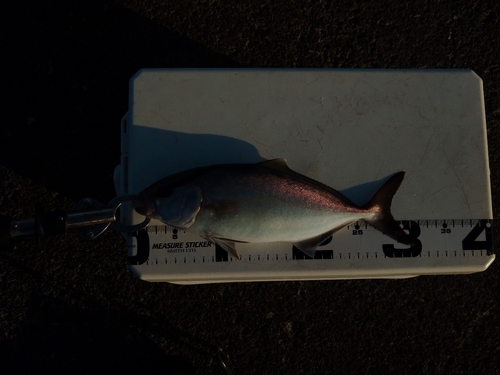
pixel 148 208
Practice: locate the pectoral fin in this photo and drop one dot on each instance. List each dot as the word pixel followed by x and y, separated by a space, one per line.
pixel 180 208
pixel 227 245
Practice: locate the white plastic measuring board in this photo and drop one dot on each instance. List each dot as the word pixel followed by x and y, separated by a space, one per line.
pixel 349 129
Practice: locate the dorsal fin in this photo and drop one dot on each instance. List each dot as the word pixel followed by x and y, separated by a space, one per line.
pixel 282 166
pixel 277 164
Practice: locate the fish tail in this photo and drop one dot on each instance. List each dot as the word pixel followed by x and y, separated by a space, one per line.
pixel 380 204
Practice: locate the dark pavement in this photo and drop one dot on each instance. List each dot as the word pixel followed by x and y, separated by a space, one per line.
pixel 75 308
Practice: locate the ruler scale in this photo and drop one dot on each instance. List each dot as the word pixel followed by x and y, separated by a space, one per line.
pixel 177 255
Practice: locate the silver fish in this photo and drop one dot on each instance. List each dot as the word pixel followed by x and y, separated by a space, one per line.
pixel 264 202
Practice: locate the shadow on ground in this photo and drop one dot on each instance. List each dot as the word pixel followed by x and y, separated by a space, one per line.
pixel 68 88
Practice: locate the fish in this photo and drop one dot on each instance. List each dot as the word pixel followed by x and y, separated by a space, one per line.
pixel 264 202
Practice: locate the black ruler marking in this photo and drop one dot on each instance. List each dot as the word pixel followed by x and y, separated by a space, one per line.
pixel 476 242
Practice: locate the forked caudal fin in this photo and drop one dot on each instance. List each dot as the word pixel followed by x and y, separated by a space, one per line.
pixel 381 204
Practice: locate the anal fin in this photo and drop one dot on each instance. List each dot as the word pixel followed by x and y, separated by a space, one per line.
pixel 308 246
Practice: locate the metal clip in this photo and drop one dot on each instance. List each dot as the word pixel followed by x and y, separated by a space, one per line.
pixel 89 218
pixel 134 201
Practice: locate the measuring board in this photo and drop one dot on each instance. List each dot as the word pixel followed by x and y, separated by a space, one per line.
pixel 350 129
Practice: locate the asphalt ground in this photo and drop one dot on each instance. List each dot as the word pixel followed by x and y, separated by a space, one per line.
pixel 75 308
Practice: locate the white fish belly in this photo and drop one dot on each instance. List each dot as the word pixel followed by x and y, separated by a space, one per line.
pixel 310 227
pixel 273 227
